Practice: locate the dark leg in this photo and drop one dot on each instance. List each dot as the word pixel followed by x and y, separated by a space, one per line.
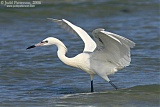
pixel 92 90
pixel 113 85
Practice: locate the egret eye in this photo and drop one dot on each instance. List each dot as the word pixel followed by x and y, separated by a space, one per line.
pixel 44 41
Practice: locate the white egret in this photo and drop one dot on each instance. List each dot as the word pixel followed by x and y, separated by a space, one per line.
pixel 108 54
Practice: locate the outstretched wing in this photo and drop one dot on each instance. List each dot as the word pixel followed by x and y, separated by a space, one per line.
pixel 112 47
pixel 90 45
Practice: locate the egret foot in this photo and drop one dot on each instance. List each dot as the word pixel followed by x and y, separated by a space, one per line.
pixel 92 89
pixel 113 85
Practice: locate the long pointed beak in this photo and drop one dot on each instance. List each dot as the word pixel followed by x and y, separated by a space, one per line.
pixel 33 46
pixel 38 44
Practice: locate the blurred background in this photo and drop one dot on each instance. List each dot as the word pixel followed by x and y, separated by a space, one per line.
pixel 38 78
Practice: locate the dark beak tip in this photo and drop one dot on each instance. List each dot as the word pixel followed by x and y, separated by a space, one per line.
pixel 31 47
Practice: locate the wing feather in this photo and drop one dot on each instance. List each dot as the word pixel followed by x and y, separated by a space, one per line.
pixel 90 45
pixel 112 47
pixel 123 40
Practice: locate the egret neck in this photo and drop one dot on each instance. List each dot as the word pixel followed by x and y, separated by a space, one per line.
pixel 62 50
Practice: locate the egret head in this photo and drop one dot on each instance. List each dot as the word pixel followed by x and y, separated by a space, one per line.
pixel 45 42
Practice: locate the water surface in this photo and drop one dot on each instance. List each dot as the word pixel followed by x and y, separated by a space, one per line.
pixel 38 78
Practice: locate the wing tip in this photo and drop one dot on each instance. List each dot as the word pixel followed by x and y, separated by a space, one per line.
pixel 98 30
pixel 50 18
pixel 64 19
pixel 133 45
pixel 54 20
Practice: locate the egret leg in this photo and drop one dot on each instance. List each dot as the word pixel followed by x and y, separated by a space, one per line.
pixel 113 85
pixel 92 89
pixel 92 76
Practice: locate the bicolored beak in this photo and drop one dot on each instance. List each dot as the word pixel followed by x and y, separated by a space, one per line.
pixel 38 44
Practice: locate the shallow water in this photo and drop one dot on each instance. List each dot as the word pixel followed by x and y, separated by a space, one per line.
pixel 37 77
pixel 137 96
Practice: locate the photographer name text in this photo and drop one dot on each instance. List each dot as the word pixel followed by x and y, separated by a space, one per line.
pixel 15 3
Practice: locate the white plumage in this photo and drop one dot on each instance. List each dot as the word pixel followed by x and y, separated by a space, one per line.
pixel 108 54
pixel 90 45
